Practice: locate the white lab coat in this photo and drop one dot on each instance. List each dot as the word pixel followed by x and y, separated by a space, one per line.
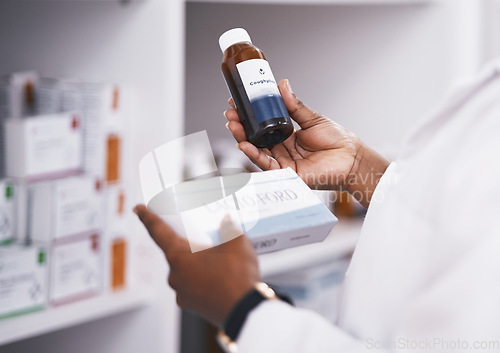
pixel 425 275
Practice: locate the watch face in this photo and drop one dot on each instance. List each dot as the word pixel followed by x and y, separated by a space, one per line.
pixel 265 290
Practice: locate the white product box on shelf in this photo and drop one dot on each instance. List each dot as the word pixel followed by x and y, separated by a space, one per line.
pixel 22 100
pixel 7 211
pixel 17 94
pixel 43 146
pixel 100 105
pixel 23 279
pixel 116 238
pixel 104 130
pixel 75 269
pixel 276 210
pixel 49 96
pixel 116 207
pixel 64 207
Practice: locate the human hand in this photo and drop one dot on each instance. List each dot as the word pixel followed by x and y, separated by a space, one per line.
pixel 323 153
pixel 208 282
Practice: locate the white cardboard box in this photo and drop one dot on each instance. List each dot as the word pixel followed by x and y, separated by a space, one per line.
pixel 75 269
pixel 64 207
pixel 43 147
pixel 7 211
pixel 276 210
pixel 17 94
pixel 23 87
pixel 100 105
pixel 104 124
pixel 116 239
pixel 23 279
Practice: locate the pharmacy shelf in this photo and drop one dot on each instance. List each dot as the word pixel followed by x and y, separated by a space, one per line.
pixel 53 319
pixel 339 243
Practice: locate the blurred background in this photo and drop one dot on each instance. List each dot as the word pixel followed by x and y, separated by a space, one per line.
pixel 137 74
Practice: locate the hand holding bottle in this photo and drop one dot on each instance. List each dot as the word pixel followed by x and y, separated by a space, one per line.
pixel 323 153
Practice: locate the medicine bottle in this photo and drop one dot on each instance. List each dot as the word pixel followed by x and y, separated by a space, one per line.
pixel 254 90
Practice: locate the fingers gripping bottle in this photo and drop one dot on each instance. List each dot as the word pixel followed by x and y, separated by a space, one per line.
pixel 254 90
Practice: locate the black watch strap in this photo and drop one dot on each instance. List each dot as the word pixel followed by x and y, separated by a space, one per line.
pixel 237 317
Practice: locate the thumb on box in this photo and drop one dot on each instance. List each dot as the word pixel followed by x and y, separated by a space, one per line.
pixel 230 228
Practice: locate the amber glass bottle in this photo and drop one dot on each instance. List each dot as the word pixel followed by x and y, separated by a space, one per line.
pixel 254 90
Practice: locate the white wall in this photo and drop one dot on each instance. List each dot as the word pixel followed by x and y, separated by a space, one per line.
pixel 490 32
pixel 375 69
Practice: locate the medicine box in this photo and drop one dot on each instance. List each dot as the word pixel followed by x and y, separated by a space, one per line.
pixel 102 122
pixel 275 209
pixel 100 105
pixel 23 279
pixel 17 94
pixel 22 100
pixel 65 207
pixel 43 147
pixel 7 211
pixel 116 239
pixel 75 269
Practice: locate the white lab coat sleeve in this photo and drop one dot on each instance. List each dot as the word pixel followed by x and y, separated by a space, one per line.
pixel 275 326
pixel 424 276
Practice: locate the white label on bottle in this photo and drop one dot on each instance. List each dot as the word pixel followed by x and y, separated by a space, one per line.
pixel 257 78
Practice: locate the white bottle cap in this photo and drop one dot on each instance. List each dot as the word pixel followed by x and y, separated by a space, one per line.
pixel 233 36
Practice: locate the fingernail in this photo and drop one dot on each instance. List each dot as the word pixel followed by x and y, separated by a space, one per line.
pixel 227 126
pixel 237 146
pixel 288 86
pixel 225 112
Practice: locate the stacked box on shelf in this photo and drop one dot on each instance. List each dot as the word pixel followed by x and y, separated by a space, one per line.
pixel 102 122
pixel 17 94
pixel 62 141
pixel 42 147
pixel 67 214
pixel 7 211
pixel 23 279
pixel 5 93
pixel 116 231
pixel 17 99
pixel 66 207
pixel 103 139
pixel 75 269
pixel 104 132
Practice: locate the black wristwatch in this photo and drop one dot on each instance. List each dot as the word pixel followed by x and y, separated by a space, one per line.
pixel 237 316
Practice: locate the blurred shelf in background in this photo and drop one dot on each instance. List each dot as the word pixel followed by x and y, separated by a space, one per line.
pixel 56 318
pixel 339 244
